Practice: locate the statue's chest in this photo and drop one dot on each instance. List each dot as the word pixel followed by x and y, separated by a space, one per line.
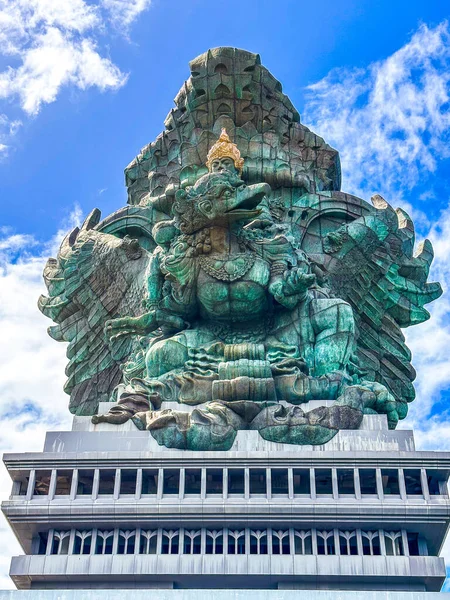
pixel 235 285
pixel 227 267
pixel 230 268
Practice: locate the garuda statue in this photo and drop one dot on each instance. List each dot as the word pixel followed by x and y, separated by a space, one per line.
pixel 239 283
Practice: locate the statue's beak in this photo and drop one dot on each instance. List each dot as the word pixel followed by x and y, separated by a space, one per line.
pixel 246 199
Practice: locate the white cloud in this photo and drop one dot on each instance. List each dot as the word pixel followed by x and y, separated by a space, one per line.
pixel 124 12
pixel 391 120
pixel 54 44
pixel 8 130
pixel 429 343
pixel 391 124
pixel 32 365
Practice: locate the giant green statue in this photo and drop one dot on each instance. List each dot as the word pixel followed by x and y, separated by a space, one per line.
pixel 239 283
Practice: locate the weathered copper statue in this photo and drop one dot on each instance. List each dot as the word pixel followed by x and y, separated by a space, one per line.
pixel 239 279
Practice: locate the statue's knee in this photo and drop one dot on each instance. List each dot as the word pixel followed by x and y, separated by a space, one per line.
pixel 165 356
pixel 345 318
pixel 333 315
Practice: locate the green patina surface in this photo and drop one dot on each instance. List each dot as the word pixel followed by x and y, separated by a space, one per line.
pixel 244 288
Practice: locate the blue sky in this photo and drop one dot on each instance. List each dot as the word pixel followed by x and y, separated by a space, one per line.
pixel 85 84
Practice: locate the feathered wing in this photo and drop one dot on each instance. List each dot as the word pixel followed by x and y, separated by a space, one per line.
pixel 96 277
pixel 370 263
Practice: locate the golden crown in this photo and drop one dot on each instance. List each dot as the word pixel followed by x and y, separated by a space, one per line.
pixel 225 147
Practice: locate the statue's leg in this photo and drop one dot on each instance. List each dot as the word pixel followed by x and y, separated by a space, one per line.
pixel 172 353
pixel 334 328
pixel 163 358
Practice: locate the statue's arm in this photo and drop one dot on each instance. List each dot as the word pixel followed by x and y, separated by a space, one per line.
pixel 289 287
pixel 153 318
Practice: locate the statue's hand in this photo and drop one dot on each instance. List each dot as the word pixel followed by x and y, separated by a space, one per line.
pixel 297 282
pixel 115 328
pixel 142 325
pixel 291 289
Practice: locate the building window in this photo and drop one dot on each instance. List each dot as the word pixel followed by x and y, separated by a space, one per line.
pixel 61 542
pixel 437 483
pixel 104 544
pixel 192 481
pixel 302 542
pixel 82 543
pixel 214 541
pixel 371 543
pixel 346 482
pixel 170 542
pixel 236 542
pixel 214 481
pixel 148 542
pixel 412 482
pixel 171 482
pixel 106 482
pixel 85 483
pixel 63 483
pixel 126 542
pixel 324 485
pixel 42 483
pixel 325 543
pixel 149 481
pixel 302 482
pixel 258 483
pixel 413 544
pixel 280 542
pixel 394 543
pixel 389 477
pixel 348 545
pixel 42 543
pixel 368 482
pixel 128 478
pixel 279 482
pixel 236 481
pixel 258 541
pixel 192 542
pixel 20 487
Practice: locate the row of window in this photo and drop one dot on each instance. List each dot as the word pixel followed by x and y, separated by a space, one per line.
pixel 232 482
pixel 229 541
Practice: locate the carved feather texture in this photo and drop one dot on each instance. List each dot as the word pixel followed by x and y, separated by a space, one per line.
pixel 370 264
pixel 96 277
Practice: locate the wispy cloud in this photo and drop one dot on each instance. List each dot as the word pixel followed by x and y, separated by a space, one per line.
pixel 32 365
pixel 51 45
pixel 390 121
pixel 124 12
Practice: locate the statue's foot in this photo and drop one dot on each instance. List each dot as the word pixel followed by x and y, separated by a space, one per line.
pixel 292 425
pixel 382 402
pixel 129 404
pixel 211 427
pixel 115 417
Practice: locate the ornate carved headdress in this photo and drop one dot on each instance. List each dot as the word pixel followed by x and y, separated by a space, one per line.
pixel 225 147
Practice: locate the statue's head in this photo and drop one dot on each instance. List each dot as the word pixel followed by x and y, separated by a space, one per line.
pixel 217 198
pixel 224 156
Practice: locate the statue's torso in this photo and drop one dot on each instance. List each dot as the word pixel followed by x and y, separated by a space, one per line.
pixel 233 287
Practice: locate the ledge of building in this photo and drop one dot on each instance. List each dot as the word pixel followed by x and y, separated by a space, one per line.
pixel 206 594
pixel 425 573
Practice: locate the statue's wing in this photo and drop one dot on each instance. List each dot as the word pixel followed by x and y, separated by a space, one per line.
pixel 95 277
pixel 370 263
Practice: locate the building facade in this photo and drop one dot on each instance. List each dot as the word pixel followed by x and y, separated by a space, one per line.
pixel 106 508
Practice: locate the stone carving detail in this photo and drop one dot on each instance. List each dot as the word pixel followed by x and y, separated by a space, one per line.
pixel 239 280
